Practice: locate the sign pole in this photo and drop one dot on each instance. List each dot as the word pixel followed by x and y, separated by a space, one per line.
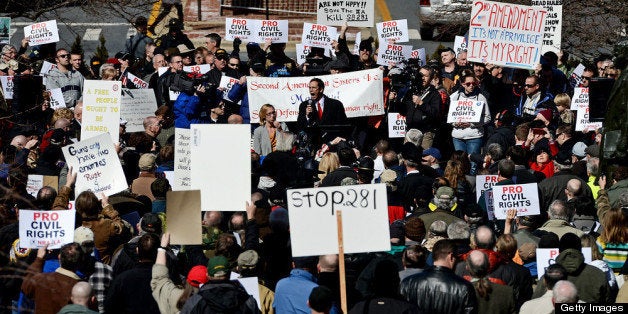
pixel 341 264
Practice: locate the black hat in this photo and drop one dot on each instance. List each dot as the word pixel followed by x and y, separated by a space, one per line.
pixel 151 223
pixel 123 55
pixel 339 64
pixel 410 152
pixel 366 44
pixel 221 52
pixel 569 241
pixel 445 50
pixel 175 24
pixel 258 67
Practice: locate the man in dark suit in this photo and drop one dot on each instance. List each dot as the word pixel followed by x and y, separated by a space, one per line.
pixel 321 112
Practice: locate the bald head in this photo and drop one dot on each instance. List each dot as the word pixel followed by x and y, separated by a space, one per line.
pixel 81 293
pixel 19 141
pixel 62 123
pixel 564 292
pixel 574 188
pixel 484 238
pixel 78 111
pixel 477 263
pixel 235 119
pixel 328 263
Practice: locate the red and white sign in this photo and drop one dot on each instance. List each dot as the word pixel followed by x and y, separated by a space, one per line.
pixel 396 31
pixel 42 33
pixel 38 228
pixel 522 197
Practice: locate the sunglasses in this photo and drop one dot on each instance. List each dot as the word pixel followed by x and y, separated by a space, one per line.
pixel 529 85
pixel 63 56
pixel 586 78
pixel 468 84
pixel 234 65
pixel 221 57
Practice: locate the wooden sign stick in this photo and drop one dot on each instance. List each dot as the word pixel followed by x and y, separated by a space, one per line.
pixel 341 264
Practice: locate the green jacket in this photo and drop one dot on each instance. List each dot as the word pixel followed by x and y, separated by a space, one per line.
pixel 76 309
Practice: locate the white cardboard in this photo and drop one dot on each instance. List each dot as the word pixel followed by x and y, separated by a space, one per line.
pixel 182 162
pixel 101 109
pixel 136 105
pixel 522 197
pixel 396 31
pixel 546 257
pixel 38 228
pixel 42 33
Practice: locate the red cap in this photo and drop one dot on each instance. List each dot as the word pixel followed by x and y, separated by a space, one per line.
pixel 197 276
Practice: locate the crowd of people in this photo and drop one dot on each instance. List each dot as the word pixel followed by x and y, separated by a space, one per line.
pixel 446 255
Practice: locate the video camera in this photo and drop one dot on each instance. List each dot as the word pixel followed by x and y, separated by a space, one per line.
pixel 406 74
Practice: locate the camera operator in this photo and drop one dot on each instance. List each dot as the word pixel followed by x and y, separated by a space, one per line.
pixel 420 105
pixel 165 80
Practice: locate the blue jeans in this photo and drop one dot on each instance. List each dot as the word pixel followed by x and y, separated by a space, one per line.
pixel 471 146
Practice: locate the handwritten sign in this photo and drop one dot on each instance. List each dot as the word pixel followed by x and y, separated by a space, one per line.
pixel 7 86
pixel 465 110
pixel 391 54
pixel 97 165
pixel 484 182
pixel 182 162
pixel 420 55
pixel 101 109
pixel 460 44
pixel 522 197
pixel 396 125
pixel 360 92
pixel 359 13
pixel 396 31
pixel 56 99
pixel 317 35
pixel 42 33
pixel 38 228
pixel 583 123
pixel 36 182
pixel 546 257
pixel 364 219
pixel 136 105
pixel 553 24
pixel 506 34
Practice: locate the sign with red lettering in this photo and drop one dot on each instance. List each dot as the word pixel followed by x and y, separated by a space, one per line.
pixel 38 228
pixel 317 35
pixel 197 68
pixel 484 182
pixel 42 33
pixel 506 34
pixel 392 55
pixel 465 110
pixel 358 13
pixel 137 81
pixel 238 28
pixel 583 122
pixel 419 54
pixel 396 31
pixel 522 197
pixel 396 125
pixel 546 257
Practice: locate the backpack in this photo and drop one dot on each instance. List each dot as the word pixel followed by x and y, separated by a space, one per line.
pixel 225 298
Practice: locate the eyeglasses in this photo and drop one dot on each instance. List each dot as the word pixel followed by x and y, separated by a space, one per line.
pixel 221 57
pixel 529 85
pixel 468 84
pixel 586 78
pixel 63 56
pixel 234 65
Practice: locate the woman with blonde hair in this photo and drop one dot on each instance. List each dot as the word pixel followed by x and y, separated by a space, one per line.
pixel 265 135
pixel 563 104
pixel 329 162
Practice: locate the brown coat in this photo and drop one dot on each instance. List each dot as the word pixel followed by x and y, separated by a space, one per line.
pixel 105 231
pixel 50 291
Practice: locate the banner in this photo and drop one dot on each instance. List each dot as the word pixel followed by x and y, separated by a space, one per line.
pixel 506 34
pixel 317 35
pixel 553 24
pixel 101 109
pixel 360 92
pixel 546 257
pixel 364 219
pixel 419 54
pixel 522 197
pixel 56 99
pixel 97 165
pixel 42 33
pixel 225 178
pixel 7 86
pixel 465 110
pixel 484 182
pixel 40 227
pixel 5 30
pixel 136 105
pixel 396 125
pixel 391 54
pixel 396 31
pixel 358 13
pixel 182 161
pixel 583 123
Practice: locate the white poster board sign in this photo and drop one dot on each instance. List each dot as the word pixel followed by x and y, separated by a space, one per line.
pixel 238 28
pixel 224 179
pixel 396 31
pixel 56 99
pixel 358 13
pixel 497 36
pixel 460 44
pixel 553 24
pixel 45 69
pixel 356 44
pixel 101 109
pixel 465 110
pixel 546 257
pixel 484 182
pixel 7 86
pixel 38 228
pixel 364 219
pixel 360 92
pixel 197 68
pixel 580 100
pixel 274 30
pixel 136 105
pixel 42 33
pixel 97 165
pixel 419 54
pixel 522 197
pixel 583 123
pixel 226 83
pixel 137 81
pixel 34 184
pixel 182 160
pixel 302 51
pixel 317 35
pixel 251 285
pixel 391 54
pixel 396 125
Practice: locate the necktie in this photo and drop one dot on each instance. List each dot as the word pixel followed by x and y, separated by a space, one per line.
pixel 320 110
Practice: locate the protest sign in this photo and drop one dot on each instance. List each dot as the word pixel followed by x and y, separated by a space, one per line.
pixel 45 69
pixel 465 110
pixel 580 100
pixel 317 35
pixel 5 30
pixel 37 181
pixel 391 54
pixel 396 31
pixel 136 105
pixel 197 68
pixel 97 165
pixel 522 197
pixel 7 86
pixel 488 201
pixel 138 82
pixel 460 44
pixel 251 285
pixel 225 178
pixel 546 257
pixel 238 28
pixel 302 51
pixel 576 76
pixel 420 55
pixel 396 125
pixel 227 82
pixel 583 122
pixel 364 212
pixel 358 13
pixel 56 99
pixel 182 161
pixel 274 30
pixel 40 227
pixel 42 33
pixel 356 43
pixel 184 209
pixel 553 24
pixel 101 109
pixel 506 34
pixel 484 182
pixel 360 92
pixel 169 175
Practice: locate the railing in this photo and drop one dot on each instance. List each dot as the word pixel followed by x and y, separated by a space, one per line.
pixel 280 7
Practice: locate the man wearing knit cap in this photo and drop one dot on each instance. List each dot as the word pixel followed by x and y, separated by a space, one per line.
pixel 247 267
pixel 445 201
